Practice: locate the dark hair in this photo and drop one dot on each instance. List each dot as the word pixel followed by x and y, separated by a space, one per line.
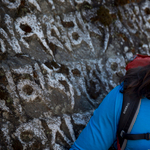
pixel 137 81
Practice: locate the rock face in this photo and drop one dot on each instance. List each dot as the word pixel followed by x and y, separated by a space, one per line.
pixel 59 59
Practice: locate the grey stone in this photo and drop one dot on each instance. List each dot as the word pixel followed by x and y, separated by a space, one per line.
pixel 58 61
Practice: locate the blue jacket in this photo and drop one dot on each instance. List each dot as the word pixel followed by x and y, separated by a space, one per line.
pixel 100 132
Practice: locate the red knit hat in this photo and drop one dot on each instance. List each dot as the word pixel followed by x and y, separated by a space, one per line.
pixel 138 60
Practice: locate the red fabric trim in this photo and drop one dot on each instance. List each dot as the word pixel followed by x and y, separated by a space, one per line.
pixel 139 60
pixel 118 144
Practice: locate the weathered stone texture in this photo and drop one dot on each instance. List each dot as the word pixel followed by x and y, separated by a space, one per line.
pixel 58 60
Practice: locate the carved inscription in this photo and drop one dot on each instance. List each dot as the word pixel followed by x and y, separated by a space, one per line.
pixel 58 60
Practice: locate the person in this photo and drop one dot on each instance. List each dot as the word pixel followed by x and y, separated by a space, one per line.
pixel 101 131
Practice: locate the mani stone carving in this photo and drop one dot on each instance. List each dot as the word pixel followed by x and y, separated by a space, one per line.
pixel 58 60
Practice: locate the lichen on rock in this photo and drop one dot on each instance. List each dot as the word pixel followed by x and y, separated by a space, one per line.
pixel 58 60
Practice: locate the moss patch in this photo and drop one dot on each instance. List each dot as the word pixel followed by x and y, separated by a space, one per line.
pixel 76 72
pixel 75 36
pixel 3 93
pixel 26 136
pixel 114 66
pixel 12 1
pixel 119 15
pixel 121 2
pixel 17 145
pixel 3 79
pixel 124 2
pixel 68 24
pixel 63 69
pixel 147 11
pixel 51 64
pixel 87 6
pixel 103 16
pixel 28 89
pixel 22 10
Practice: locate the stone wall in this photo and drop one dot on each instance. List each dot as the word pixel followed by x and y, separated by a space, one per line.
pixel 59 59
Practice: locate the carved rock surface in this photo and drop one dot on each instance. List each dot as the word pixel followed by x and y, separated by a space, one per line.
pixel 58 60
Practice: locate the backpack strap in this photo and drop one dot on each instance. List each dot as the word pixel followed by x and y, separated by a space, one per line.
pixel 130 109
pixel 145 136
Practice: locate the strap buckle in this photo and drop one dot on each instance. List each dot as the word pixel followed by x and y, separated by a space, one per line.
pixel 147 136
pixel 122 133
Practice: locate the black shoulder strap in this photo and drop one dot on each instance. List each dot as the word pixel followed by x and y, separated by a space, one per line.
pixel 130 109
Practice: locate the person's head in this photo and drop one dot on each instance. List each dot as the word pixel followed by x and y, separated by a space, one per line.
pixel 137 78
